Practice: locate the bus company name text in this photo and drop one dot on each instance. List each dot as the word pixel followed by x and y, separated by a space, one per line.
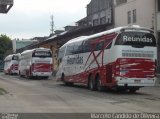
pixel 137 39
pixel 75 60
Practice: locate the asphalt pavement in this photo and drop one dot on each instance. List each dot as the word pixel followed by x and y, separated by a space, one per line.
pixel 48 96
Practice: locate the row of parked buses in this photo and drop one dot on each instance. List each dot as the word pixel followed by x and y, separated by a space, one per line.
pixel 30 63
pixel 120 58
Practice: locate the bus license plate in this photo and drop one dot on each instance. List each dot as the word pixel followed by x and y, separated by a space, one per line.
pixel 137 81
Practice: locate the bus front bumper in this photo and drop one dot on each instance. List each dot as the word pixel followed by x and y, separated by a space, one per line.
pixel 41 73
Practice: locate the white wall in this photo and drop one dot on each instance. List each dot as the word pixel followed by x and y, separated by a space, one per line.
pixel 144 12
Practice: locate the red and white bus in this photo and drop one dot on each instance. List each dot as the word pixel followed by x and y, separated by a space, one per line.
pixel 11 64
pixel 123 57
pixel 36 63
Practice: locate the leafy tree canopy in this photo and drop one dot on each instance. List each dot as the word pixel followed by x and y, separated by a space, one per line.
pixel 5 46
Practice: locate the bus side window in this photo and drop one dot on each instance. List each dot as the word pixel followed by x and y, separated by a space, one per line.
pixel 78 48
pixel 109 46
pixel 70 49
pixel 86 47
pixel 99 46
pixel 109 43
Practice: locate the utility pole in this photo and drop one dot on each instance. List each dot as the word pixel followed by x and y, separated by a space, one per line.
pixel 52 25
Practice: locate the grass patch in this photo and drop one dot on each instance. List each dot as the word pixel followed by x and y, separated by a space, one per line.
pixel 2 91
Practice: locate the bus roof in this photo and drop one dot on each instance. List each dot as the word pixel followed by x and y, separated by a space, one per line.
pixel 9 57
pixel 114 30
pixel 35 49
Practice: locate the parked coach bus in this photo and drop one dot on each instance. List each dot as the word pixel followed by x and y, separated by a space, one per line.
pixel 120 58
pixel 36 63
pixel 11 64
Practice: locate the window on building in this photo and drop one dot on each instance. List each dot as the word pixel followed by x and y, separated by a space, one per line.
pixel 119 2
pixel 134 16
pixel 129 17
pixel 95 22
pixel 103 20
pixel 158 5
pixel 89 9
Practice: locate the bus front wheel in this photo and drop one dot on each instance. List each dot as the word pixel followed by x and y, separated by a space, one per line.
pixel 99 86
pixel 20 74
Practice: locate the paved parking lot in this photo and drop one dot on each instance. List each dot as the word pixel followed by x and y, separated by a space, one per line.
pixel 49 96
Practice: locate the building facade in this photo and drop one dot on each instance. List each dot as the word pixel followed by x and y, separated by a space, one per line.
pixel 99 12
pixel 145 13
pixel 18 44
pixel 5 5
pixel 134 12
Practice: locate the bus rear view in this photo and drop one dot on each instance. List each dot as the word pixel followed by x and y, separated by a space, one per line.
pixel 123 57
pixel 36 63
pixel 136 55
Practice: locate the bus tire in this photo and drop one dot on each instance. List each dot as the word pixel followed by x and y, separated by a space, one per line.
pixel 99 86
pixel 46 77
pixel 91 84
pixel 69 83
pixel 27 74
pixel 20 74
pixel 62 77
pixel 133 90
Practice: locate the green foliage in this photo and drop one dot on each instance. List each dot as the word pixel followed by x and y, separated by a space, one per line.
pixel 5 46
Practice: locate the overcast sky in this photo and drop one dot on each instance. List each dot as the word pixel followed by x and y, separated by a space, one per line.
pixel 31 18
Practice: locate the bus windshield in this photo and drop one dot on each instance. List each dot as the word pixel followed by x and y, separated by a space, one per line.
pixel 136 39
pixel 42 54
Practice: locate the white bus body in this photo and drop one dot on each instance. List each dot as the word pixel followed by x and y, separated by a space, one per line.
pixel 123 57
pixel 36 63
pixel 11 64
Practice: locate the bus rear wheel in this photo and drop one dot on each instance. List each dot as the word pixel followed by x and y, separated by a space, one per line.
pixel 91 84
pixel 69 83
pixel 133 90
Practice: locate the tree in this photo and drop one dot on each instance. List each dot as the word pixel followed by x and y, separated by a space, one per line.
pixel 5 46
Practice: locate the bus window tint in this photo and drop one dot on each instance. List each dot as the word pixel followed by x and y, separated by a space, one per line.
pixel 103 44
pixel 78 48
pixel 42 54
pixel 70 49
pixel 87 46
pixel 109 45
pixel 136 39
pixel 99 46
pixel 74 49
